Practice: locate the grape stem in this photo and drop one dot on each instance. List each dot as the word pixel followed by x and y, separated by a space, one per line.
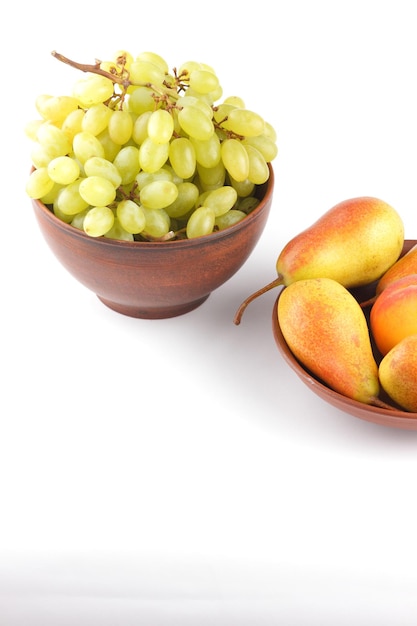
pixel 275 283
pixel 123 81
pixel 94 69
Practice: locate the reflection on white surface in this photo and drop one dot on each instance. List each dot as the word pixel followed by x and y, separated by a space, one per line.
pixel 173 592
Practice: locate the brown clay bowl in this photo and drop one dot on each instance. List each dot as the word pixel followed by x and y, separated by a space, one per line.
pixel 155 279
pixel 395 417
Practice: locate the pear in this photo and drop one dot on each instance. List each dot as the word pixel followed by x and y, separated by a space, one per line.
pixel 326 330
pixel 394 313
pixel 404 266
pixel 353 243
pixel 398 373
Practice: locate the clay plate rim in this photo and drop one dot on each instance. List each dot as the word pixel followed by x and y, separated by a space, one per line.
pixel 395 418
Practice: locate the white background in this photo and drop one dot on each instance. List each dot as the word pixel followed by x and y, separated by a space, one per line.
pixel 177 472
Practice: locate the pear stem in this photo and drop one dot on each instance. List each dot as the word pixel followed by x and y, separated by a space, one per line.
pixel 367 303
pixel 381 404
pixel 275 283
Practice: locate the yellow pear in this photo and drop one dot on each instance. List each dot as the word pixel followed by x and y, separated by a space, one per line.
pixel 398 373
pixel 405 266
pixel 353 243
pixel 326 330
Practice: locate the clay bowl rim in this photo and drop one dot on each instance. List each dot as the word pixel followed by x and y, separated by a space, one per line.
pixel 265 190
pixel 395 417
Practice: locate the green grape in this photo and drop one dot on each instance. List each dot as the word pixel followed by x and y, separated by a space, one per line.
pixel 97 166
pixel 247 204
pixel 96 118
pixel 195 123
pixel 131 216
pixel 201 198
pixel 222 111
pixel 92 89
pixel 98 220
pixel 51 196
pixel 264 144
pixel 207 98
pixel 97 191
pixel 182 157
pixel 244 188
pixel 141 100
pixel 174 176
pixel 31 129
pixel 270 131
pixel 127 163
pixel 55 108
pixel 187 67
pixel 203 81
pixel 120 127
pixel 244 122
pixel 215 95
pixel 69 200
pixel 207 153
pixel 73 123
pixel 40 155
pixel 258 167
pixel 63 170
pixel 125 55
pixel 118 232
pixel 111 149
pixel 158 222
pixel 77 220
pixel 144 178
pixel 206 66
pixel 156 59
pixel 235 101
pixel 152 156
pixel 53 139
pixel 64 217
pixel 187 197
pixel 230 218
pixel 221 200
pixel 140 128
pixel 200 222
pixel 235 159
pixel 160 126
pixel 86 145
pixel 198 102
pixel 158 194
pixel 116 68
pixel 39 183
pixel 211 177
pixel 143 72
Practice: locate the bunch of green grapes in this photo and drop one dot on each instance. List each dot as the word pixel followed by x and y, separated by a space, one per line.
pixel 137 152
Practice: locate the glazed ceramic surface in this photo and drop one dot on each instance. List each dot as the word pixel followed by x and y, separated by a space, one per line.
pixel 395 417
pixel 155 279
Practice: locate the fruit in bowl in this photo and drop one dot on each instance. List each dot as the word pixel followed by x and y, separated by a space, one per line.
pixel 394 313
pixel 321 318
pixel 144 179
pixel 395 405
pixel 354 243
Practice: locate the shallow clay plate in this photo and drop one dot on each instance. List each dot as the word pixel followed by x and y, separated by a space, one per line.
pixel 395 417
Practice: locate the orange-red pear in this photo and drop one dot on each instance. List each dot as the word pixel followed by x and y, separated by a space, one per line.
pixel 353 243
pixel 394 313
pixel 406 265
pixel 326 330
pixel 398 373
